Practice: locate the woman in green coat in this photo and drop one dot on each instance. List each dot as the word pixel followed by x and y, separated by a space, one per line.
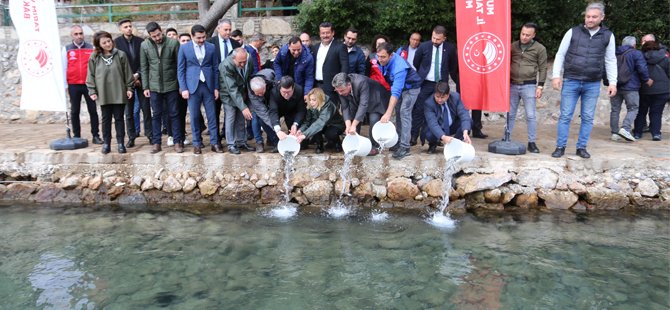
pixel 110 84
pixel 322 119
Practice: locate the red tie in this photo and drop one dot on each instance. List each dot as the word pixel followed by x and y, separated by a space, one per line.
pixel 258 62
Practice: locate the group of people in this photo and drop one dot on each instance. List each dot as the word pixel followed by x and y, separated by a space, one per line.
pixel 330 88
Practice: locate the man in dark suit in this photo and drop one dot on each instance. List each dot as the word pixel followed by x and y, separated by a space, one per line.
pixel 130 44
pixel 224 45
pixel 434 60
pixel 360 95
pixel 198 76
pixel 234 75
pixel 446 117
pixel 330 58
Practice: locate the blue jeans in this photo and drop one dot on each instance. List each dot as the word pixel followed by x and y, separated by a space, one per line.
pixel 256 124
pixel 159 101
pixel 571 92
pixel 136 111
pixel 202 97
pixel 403 112
pixel 527 94
pixel 632 98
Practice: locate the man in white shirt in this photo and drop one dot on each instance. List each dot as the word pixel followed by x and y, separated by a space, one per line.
pixel 330 58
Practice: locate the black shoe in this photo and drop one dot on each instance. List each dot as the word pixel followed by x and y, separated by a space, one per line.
pixel 164 131
pixel 275 149
pixel 533 148
pixel 131 142
pixel 656 138
pixel 197 150
pixel 479 134
pixel 583 153
pixel 260 148
pixel 338 148
pixel 97 140
pixel 319 149
pixel 395 147
pixel 432 148
pixel 412 142
pixel 217 148
pixel 156 148
pixel 401 153
pixel 233 150
pixel 105 149
pixel 246 147
pixel 558 152
pixel 122 149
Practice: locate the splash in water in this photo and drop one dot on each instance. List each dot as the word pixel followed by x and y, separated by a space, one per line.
pixel 339 210
pixel 379 216
pixel 288 171
pixel 283 212
pixel 440 218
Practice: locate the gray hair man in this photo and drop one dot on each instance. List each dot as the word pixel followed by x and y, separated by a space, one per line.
pixel 628 86
pixel 528 71
pixel 234 75
pixel 265 115
pixel 584 51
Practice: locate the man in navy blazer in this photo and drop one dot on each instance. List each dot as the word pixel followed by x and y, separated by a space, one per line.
pixel 446 117
pixel 333 59
pixel 198 76
pixel 434 60
pixel 224 45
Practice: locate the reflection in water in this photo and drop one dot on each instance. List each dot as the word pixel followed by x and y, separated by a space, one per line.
pixel 61 284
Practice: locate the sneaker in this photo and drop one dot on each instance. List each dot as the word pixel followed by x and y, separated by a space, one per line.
pixel 656 138
pixel 186 142
pixel 170 141
pixel 625 134
pixel 615 137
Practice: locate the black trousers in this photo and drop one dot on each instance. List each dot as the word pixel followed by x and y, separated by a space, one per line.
pixel 477 120
pixel 182 107
pixel 145 106
pixel 331 133
pixel 116 110
pixel 418 118
pixel 130 117
pixel 76 91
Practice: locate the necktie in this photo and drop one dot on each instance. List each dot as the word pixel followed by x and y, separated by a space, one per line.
pixel 446 117
pixel 201 58
pixel 437 64
pixel 225 50
pixel 131 51
pixel 258 62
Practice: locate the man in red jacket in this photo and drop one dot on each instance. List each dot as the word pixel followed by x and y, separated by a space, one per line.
pixel 76 55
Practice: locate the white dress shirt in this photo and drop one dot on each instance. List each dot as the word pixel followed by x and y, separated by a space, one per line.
pixel 320 60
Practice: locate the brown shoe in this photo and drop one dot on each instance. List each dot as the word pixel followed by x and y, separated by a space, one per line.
pixel 178 148
pixel 217 148
pixel 156 149
pixel 197 150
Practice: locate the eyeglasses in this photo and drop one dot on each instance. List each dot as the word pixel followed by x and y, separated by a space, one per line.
pixel 78 33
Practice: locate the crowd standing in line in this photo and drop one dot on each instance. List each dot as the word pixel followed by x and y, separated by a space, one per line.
pixel 330 88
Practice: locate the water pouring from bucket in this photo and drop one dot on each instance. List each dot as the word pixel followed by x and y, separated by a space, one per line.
pixel 288 145
pixel 385 134
pixel 457 148
pixel 356 144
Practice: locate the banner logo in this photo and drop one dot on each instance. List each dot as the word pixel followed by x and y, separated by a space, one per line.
pixel 484 52
pixel 35 58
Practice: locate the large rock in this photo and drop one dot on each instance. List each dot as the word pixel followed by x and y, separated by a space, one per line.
pixel 400 189
pixel 21 190
pixel 243 192
pixel 95 182
pixel 433 188
pixel 537 178
pixel 208 187
pixel 70 183
pixel 318 192
pixel 605 198
pixel 189 185
pixel 300 179
pixel 364 191
pixel 526 200
pixel 171 185
pixel 555 199
pixel 647 188
pixel 479 182
pixel 271 194
pixel 148 184
pixel 494 196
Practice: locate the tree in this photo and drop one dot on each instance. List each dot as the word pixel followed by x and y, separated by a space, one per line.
pixel 209 16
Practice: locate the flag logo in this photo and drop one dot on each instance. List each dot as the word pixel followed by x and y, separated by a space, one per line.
pixel 35 58
pixel 484 52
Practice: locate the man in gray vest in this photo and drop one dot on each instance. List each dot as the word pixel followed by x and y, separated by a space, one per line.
pixel 584 51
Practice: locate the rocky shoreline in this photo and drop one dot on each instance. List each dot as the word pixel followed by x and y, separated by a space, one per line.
pixel 493 182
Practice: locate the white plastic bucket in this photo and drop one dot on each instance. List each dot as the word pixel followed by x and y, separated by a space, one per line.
pixel 459 148
pixel 358 144
pixel 289 144
pixel 385 134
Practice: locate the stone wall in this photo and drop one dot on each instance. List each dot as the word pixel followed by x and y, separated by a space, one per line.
pixel 490 182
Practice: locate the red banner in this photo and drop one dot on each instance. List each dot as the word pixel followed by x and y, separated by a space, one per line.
pixel 484 36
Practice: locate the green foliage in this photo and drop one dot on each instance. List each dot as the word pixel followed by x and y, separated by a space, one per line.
pixel 397 18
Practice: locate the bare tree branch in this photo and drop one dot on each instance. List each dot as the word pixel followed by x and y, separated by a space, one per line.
pixel 215 12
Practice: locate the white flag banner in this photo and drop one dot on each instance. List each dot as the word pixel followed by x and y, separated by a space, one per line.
pixel 39 57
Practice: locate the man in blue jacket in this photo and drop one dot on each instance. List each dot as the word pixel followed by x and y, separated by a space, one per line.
pixel 446 117
pixel 628 91
pixel 295 60
pixel 405 84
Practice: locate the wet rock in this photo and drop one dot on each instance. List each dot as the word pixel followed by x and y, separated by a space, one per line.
pixel 136 182
pixel 400 189
pixel 271 195
pixel 577 188
pixel 242 192
pixel 456 207
pixel 342 189
pixel 115 191
pixel 299 197
pixel 493 196
pixel 537 178
pixel 171 185
pixel 364 191
pixel 84 181
pixel 526 200
pixel 479 182
pixel 21 190
pixel 318 192
pixel 208 187
pixel 95 182
pixel 379 191
pixel 647 188
pixel 132 199
pixel 69 183
pixel 148 184
pixel 109 173
pixel 300 180
pixel 665 195
pixel 607 199
pixel 433 188
pixel 48 193
pixel 189 185
pixel 555 199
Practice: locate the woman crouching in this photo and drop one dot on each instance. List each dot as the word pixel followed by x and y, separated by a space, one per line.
pixel 109 83
pixel 322 119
